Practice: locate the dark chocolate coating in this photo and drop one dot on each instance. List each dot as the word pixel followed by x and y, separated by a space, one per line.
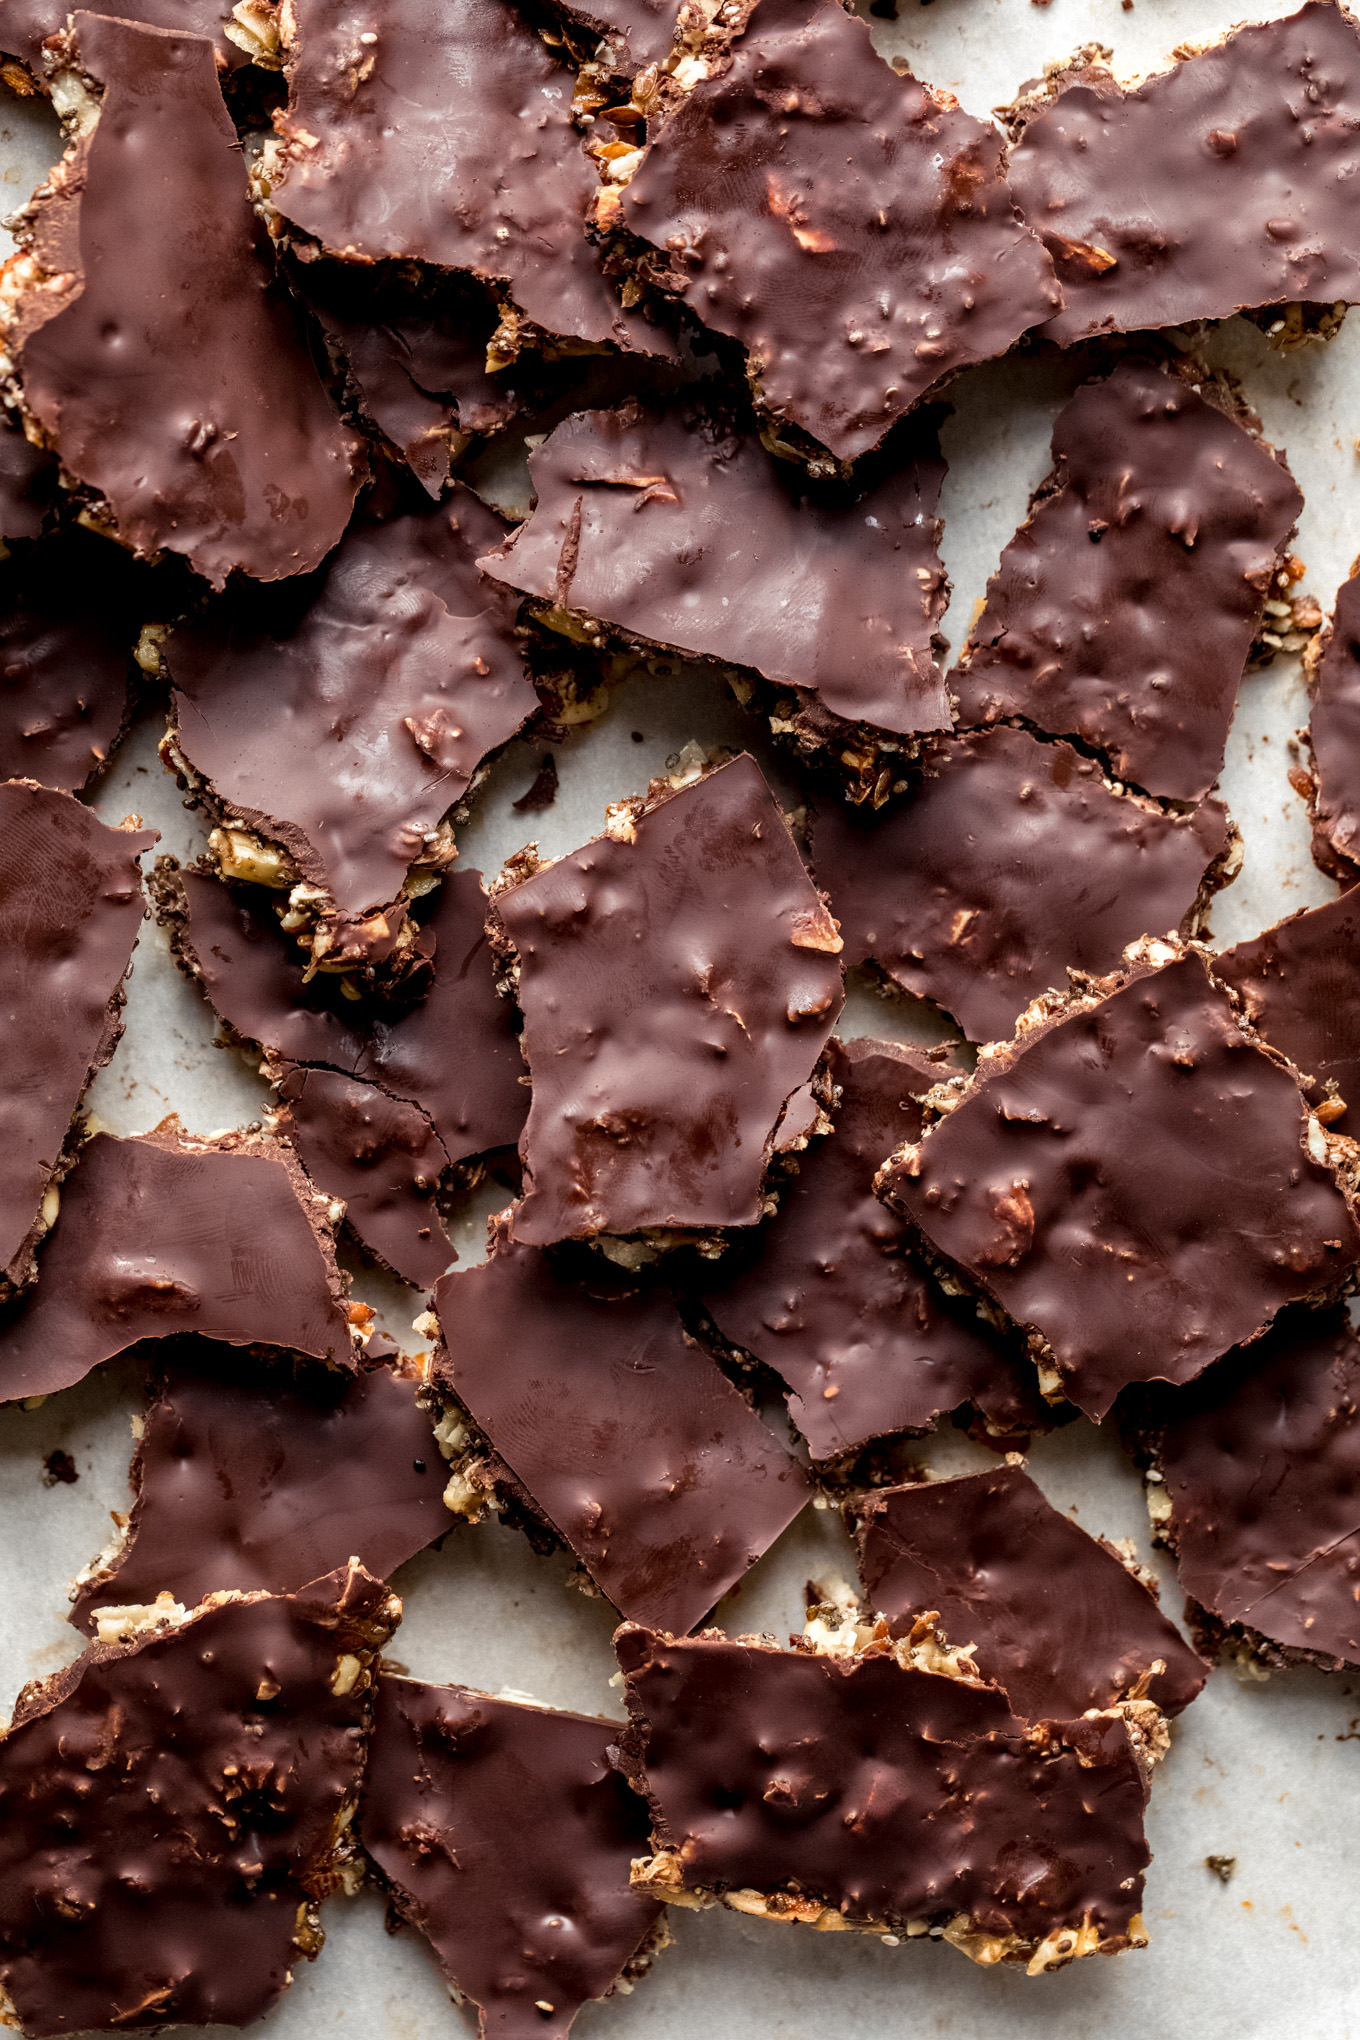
pixel 71 611
pixel 345 717
pixel 688 534
pixel 1334 731
pixel 1012 861
pixel 633 1445
pixel 171 372
pixel 26 24
pixel 382 1156
pixel 1133 1184
pixel 1261 1459
pixel 256 1475
pixel 639 32
pixel 1224 183
pixel 70 907
pixel 448 139
pixel 1059 1623
pixel 676 989
pixel 155 1238
pixel 836 1301
pixel 28 474
pixel 850 227
pixel 167 1805
pixel 893 1793
pixel 1125 606
pixel 1299 984
pixel 506 1840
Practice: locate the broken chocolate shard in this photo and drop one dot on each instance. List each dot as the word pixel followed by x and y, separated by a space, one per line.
pixel 1067 871
pixel 1060 1623
pixel 625 1438
pixel 1124 608
pixel 1259 1464
pixel 505 1839
pixel 1222 184
pixel 25 26
pixel 165 1234
pixel 677 530
pixel 865 1791
pixel 850 227
pixel 259 1475
pixel 446 137
pixel 1093 1176
pixel 28 475
pixel 678 979
pixel 71 906
pixel 831 1295
pixel 1334 734
pixel 173 1806
pixel 1299 986
pixel 340 719
pixel 155 347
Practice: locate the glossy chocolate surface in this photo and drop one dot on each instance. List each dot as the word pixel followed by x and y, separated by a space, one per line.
pixel 677 986
pixel 506 1841
pixel 892 1793
pixel 1225 182
pixel 26 24
pixel 71 611
pixel 1261 1461
pixel 1134 1185
pixel 1299 985
pixel 1125 606
pixel 1334 732
pixel 261 1476
pixel 165 361
pixel 679 530
pixel 344 717
pixel 631 1443
pixel 833 1297
pixel 70 907
pixel 28 474
pixel 850 227
pixel 158 1236
pixel 1059 1623
pixel 1011 861
pixel 168 1806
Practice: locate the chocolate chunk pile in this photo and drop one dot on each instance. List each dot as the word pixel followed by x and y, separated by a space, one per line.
pixel 384 387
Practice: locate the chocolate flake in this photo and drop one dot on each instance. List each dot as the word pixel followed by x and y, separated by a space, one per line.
pixel 541 791
pixel 59 1470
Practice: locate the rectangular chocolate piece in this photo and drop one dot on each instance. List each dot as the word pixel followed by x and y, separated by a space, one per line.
pixel 1299 986
pixel 506 1840
pixel 1134 1181
pixel 1334 735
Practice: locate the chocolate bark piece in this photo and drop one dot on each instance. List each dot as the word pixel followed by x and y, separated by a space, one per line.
pixel 261 1475
pixel 864 1791
pixel 1011 862
pixel 70 907
pixel 172 1808
pixel 28 477
pixel 676 529
pixel 506 1839
pixel 1299 986
pixel 851 228
pixel 833 1297
pixel 25 26
pixel 1260 1467
pixel 167 1234
pixel 1221 184
pixel 678 979
pixel 155 348
pixel 447 140
pixel 1334 735
pixel 1124 609
pixel 342 718
pixel 1090 1181
pixel 618 1431
pixel 1060 1623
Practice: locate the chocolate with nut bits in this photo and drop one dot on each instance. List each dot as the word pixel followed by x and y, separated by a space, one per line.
pixel 173 1807
pixel 70 907
pixel 505 1839
pixel 831 1295
pixel 155 348
pixel 626 1439
pixel 1124 608
pixel 1090 1180
pixel 1299 986
pixel 1334 734
pixel 849 227
pixel 1012 862
pixel 679 978
pixel 871 1790
pixel 1059 1621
